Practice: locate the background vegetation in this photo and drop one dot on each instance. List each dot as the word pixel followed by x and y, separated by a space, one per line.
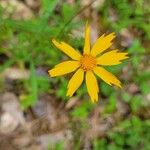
pixel 121 118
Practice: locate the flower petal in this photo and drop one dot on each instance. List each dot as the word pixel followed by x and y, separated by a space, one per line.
pixel 64 68
pixel 75 82
pixel 108 77
pixel 92 86
pixel 67 49
pixel 102 44
pixel 87 40
pixel 111 58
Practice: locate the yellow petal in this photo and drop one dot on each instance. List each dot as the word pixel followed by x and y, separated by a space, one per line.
pixel 92 86
pixel 111 58
pixel 87 40
pixel 108 77
pixel 64 68
pixel 75 82
pixel 67 49
pixel 102 44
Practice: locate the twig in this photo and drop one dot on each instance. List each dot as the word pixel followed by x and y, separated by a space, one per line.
pixel 69 21
pixel 139 54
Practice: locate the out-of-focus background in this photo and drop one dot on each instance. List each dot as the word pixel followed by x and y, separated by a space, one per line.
pixel 35 114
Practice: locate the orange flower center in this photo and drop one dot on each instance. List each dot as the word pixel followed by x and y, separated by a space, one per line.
pixel 88 62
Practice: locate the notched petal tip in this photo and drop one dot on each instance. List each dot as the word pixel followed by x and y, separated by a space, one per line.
pixel 126 55
pixel 94 100
pixel 55 43
pixel 123 57
pixel 50 72
pixel 113 35
pixel 53 40
pixel 87 23
pixel 68 94
pixel 119 85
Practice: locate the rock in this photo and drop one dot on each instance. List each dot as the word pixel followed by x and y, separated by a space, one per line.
pixel 16 74
pixel 16 9
pixel 133 88
pixel 72 102
pixel 11 116
pixel 7 123
pixel 33 3
pixel 53 138
pixel 127 37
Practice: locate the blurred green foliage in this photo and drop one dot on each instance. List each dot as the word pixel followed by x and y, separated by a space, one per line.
pixel 129 134
pixel 31 40
pixel 29 46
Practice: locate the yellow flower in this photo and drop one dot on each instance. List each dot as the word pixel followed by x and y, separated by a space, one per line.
pixel 89 64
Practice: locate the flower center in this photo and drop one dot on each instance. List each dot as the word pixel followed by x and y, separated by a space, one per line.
pixel 88 62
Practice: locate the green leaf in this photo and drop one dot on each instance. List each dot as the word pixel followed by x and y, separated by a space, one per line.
pixel 136 122
pixel 113 146
pixel 143 76
pixel 136 103
pixel 99 144
pixel 106 89
pixel 83 110
pixel 67 11
pixel 145 88
pixel 62 89
pixel 126 97
pixel 48 7
pixel 111 106
pixel 7 64
pixel 136 47
pixel 59 145
pixel 31 99
pixel 125 124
